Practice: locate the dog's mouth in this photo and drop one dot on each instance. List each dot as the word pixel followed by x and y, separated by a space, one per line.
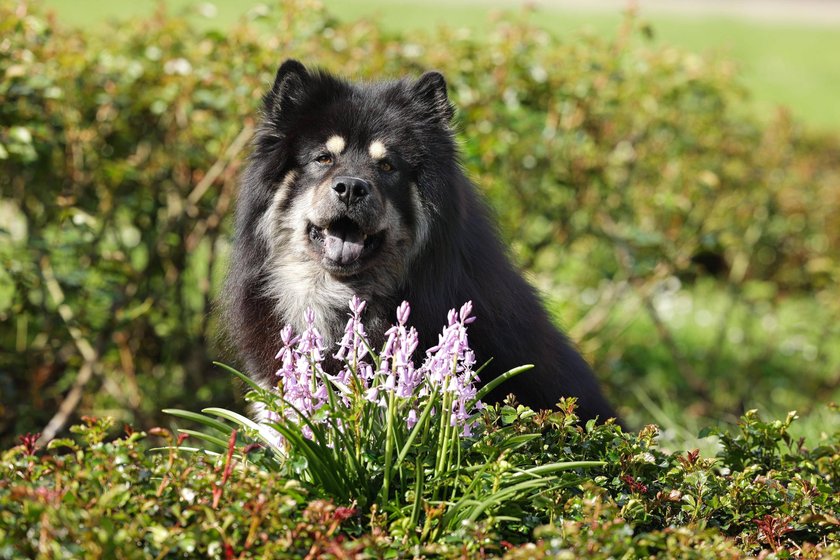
pixel 342 246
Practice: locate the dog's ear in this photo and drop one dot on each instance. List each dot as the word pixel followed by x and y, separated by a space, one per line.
pixel 430 92
pixel 288 89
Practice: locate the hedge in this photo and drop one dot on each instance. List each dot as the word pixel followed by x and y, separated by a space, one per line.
pixel 765 494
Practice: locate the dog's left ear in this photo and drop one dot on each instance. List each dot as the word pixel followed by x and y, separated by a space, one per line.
pixel 430 92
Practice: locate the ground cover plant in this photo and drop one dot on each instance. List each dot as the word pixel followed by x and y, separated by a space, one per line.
pixel 388 458
pixel 765 494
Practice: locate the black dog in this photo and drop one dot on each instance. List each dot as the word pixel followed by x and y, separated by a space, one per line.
pixel 357 189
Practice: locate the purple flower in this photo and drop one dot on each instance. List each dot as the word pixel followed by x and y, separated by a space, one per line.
pixel 411 419
pixel 353 346
pixel 446 369
pixel 403 311
pixel 300 374
pixel 311 342
pixel 448 365
pixel 396 362
pixel 372 394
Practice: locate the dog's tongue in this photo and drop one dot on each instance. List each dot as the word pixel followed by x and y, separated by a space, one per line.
pixel 343 247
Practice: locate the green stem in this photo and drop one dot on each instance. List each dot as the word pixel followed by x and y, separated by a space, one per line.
pixel 422 424
pixel 418 491
pixel 457 449
pixel 443 441
pixel 389 445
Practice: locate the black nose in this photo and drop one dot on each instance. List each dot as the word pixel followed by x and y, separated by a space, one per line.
pixel 350 190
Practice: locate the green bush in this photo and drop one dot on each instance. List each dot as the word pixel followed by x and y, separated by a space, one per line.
pixel 621 171
pixel 765 493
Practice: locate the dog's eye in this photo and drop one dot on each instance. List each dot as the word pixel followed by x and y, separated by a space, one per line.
pixel 386 166
pixel 324 159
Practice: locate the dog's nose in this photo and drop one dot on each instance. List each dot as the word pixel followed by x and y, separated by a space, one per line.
pixel 350 190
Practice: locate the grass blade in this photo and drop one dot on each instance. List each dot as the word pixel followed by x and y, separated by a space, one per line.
pixel 206 437
pixel 245 423
pixel 542 470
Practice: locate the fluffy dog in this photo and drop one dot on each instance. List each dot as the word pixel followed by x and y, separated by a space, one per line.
pixel 356 188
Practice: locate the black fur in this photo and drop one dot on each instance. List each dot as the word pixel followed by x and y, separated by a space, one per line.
pixel 460 258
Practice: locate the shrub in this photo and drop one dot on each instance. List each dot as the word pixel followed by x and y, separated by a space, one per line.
pixel 93 498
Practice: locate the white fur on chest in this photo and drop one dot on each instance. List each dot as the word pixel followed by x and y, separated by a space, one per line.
pixel 297 285
pixel 294 282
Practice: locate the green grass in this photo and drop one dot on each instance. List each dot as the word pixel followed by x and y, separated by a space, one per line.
pixel 774 359
pixel 790 65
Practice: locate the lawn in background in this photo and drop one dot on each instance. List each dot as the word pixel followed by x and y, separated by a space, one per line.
pixel 792 65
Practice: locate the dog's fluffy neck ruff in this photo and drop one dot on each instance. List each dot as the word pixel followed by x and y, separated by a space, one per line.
pixel 295 283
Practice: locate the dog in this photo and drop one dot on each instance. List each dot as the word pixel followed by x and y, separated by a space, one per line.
pixel 357 189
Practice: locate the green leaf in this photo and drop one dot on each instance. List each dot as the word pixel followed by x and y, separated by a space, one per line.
pixel 509 415
pixel 493 383
pixel 199 418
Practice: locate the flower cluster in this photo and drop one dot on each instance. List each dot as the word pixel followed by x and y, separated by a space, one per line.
pixel 446 374
pixel 301 375
pixel 449 365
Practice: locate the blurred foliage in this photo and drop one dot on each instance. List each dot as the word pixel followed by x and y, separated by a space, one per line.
pixel 622 174
pixel 765 495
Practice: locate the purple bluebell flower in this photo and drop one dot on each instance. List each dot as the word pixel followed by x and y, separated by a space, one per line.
pixel 448 365
pixel 403 311
pixel 446 369
pixel 396 358
pixel 372 394
pixel 353 346
pixel 411 419
pixel 300 374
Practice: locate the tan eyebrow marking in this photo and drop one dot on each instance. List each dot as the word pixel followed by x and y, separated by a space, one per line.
pixel 336 144
pixel 377 149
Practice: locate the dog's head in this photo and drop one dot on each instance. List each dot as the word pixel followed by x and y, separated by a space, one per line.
pixel 345 175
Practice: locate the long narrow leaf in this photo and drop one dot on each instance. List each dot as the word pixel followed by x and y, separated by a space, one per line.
pixel 424 417
pixel 199 418
pixel 234 417
pixel 206 437
pixel 493 383
pixel 558 467
pixel 317 432
pixel 247 380
pixel 329 474
pixel 246 423
pixel 318 451
pixel 186 449
pixel 507 493
pixel 514 442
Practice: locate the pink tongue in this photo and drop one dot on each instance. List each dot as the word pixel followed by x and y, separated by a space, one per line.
pixel 343 250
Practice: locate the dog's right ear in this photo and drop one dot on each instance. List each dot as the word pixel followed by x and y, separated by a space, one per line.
pixel 288 89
